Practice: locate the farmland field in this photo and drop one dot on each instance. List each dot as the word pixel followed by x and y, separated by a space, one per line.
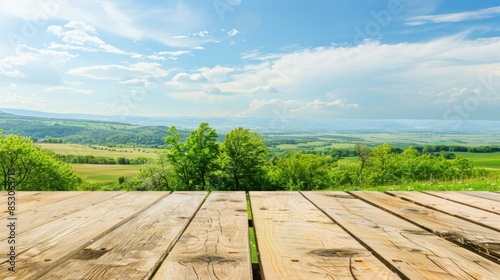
pixel 483 160
pixel 114 152
pixel 105 174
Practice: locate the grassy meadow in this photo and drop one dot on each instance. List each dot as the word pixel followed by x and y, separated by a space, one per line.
pixel 105 176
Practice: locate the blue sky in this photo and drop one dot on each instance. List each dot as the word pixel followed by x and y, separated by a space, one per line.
pixel 407 59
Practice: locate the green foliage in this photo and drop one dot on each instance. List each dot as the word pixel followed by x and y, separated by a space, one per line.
pixel 195 159
pixel 157 175
pixel 297 171
pixel 35 169
pixel 243 160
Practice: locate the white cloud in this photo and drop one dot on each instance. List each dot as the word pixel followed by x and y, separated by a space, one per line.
pixel 167 55
pixel 136 82
pixel 217 73
pixel 362 80
pixel 12 98
pixel 233 32
pixel 158 23
pixel 277 108
pixel 198 97
pixel 81 36
pixel 204 77
pixel 119 72
pixel 203 33
pixel 68 89
pixel 26 59
pixel 455 17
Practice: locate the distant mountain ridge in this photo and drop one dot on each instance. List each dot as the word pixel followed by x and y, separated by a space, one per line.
pixel 283 125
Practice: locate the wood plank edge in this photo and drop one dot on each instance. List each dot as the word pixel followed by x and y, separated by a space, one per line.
pixel 466 244
pixel 460 202
pixel 257 271
pixel 75 251
pixel 385 262
pixel 447 213
pixel 164 256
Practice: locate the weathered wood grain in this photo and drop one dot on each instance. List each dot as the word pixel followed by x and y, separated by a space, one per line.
pixel 297 241
pixel 476 202
pixel 414 252
pixel 485 218
pixel 487 195
pixel 467 234
pixel 27 201
pixel 215 245
pixel 49 210
pixel 136 248
pixel 42 248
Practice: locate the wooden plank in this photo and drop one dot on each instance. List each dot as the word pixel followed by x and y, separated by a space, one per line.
pixel 215 245
pixel 49 210
pixel 476 202
pixel 26 201
pixel 452 208
pixel 414 252
pixel 487 195
pixel 469 235
pixel 42 248
pixel 135 249
pixel 297 241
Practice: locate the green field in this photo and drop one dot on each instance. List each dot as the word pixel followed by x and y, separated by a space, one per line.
pixel 483 160
pixel 105 175
pixel 114 152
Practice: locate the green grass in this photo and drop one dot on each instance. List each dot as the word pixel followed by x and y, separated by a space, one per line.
pixel 83 150
pixel 491 183
pixel 484 160
pixel 104 175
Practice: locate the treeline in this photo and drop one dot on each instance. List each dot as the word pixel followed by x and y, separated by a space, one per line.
pixel 90 159
pixel 244 162
pixel 84 132
pixel 457 148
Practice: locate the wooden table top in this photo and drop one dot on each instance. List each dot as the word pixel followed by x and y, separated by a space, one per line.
pixel 298 235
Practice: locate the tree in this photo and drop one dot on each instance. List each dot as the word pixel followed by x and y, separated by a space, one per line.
pixel 203 151
pixel 157 175
pixel 363 153
pixel 194 159
pixel 34 168
pixel 243 159
pixel 296 171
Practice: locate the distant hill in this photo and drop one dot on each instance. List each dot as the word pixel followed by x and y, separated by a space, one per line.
pixel 282 125
pixel 83 131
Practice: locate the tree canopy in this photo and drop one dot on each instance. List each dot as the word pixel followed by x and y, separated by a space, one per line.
pixel 35 169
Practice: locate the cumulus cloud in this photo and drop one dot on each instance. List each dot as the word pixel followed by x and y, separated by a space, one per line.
pixel 34 65
pixel 360 81
pixel 79 35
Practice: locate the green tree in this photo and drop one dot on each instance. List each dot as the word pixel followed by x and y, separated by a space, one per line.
pixel 243 159
pixel 296 171
pixel 158 175
pixel 382 166
pixel 194 159
pixel 35 169
pixel 363 153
